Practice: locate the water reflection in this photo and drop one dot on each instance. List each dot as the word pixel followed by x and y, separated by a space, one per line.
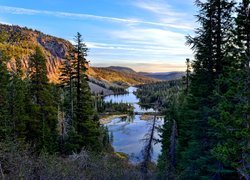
pixel 128 132
pixel 128 136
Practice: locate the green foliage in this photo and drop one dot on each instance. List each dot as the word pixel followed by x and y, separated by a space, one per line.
pixel 42 127
pixel 233 92
pixel 83 131
pixel 113 108
pixel 213 114
pixel 196 134
pixel 158 93
pixel 4 78
pixel 17 103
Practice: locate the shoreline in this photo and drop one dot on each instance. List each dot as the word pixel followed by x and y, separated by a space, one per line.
pixel 109 118
pixel 146 117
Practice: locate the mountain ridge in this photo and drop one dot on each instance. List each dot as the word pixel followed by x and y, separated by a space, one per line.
pixel 20 43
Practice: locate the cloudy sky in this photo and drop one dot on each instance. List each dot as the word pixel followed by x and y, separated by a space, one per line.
pixel 146 35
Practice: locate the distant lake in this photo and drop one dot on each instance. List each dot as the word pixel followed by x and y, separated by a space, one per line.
pixel 128 133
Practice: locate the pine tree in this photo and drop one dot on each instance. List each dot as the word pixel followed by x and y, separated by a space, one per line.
pixel 233 91
pixel 86 128
pixel 66 78
pixel 168 159
pixel 196 137
pixel 67 104
pixel 188 71
pixel 17 99
pixel 42 130
pixel 5 126
pixel 82 130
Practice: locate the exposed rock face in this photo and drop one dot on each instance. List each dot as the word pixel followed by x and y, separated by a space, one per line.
pixel 55 47
pixel 20 43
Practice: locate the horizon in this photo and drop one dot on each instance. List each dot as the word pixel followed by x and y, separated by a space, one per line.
pixel 143 35
pixel 137 71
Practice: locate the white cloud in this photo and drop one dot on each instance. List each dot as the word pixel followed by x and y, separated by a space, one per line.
pixel 158 7
pixel 158 40
pixel 165 13
pixel 17 10
pixel 3 22
pixel 143 49
pixel 137 44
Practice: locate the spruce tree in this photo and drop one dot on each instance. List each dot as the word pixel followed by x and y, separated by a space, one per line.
pixel 17 99
pixel 233 91
pixel 5 126
pixel 42 129
pixel 82 130
pixel 86 128
pixel 196 137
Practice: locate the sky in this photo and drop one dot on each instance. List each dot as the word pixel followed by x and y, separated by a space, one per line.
pixel 146 35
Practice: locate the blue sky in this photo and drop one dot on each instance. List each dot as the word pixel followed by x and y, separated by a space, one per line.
pixel 146 35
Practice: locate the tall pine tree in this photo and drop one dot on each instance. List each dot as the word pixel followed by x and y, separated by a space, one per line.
pixel 17 98
pixel 5 126
pixel 196 137
pixel 42 129
pixel 233 91
pixel 83 131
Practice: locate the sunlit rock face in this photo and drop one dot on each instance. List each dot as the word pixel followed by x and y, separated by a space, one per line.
pixel 20 43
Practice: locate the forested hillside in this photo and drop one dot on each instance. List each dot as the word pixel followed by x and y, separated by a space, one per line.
pixel 164 76
pixel 52 131
pixel 122 78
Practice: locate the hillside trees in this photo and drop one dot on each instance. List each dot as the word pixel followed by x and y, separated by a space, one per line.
pixel 210 48
pixel 213 115
pixel 4 78
pixel 42 127
pixel 17 103
pixel 36 112
pixel 83 131
pixel 196 136
pixel 233 92
pixel 28 111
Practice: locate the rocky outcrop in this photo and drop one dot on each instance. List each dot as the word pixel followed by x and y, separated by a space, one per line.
pixel 20 42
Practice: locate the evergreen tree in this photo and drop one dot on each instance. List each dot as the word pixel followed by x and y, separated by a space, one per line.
pixel 42 129
pixel 86 128
pixel 5 126
pixel 196 137
pixel 188 71
pixel 17 99
pixel 66 78
pixel 82 130
pixel 233 91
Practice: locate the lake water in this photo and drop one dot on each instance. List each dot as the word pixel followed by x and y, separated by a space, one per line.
pixel 128 133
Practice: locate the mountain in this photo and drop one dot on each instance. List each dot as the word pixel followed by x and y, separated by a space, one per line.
pixel 165 76
pixel 121 77
pixel 20 43
pixel 122 69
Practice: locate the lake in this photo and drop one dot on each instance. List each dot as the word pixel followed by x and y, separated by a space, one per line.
pixel 128 133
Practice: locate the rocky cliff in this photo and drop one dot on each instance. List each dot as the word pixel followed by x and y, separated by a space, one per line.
pixel 20 42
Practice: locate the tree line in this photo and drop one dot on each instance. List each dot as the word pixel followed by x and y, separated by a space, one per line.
pixel 206 133
pixel 50 118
